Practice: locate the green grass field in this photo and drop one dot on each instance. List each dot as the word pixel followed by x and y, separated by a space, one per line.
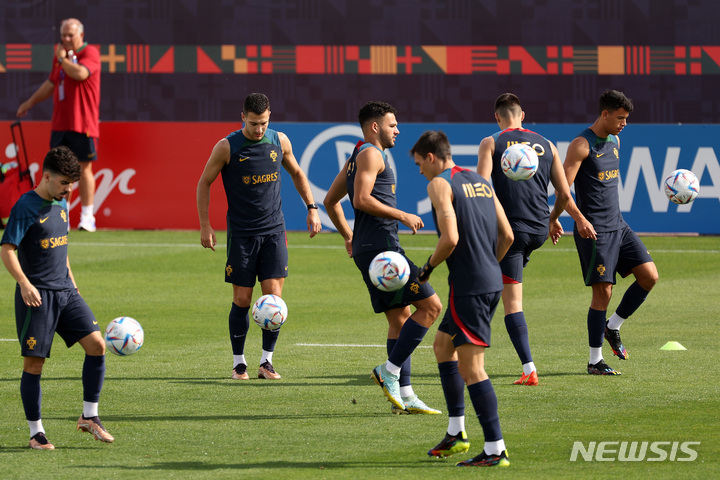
pixel 175 413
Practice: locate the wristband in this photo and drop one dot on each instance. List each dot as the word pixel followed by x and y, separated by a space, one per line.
pixel 426 270
pixel 312 206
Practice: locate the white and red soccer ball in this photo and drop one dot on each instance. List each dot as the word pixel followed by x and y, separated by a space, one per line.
pixel 519 162
pixel 389 271
pixel 682 186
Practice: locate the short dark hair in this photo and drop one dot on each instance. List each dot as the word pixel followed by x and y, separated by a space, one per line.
pixel 373 110
pixel 508 104
pixel 435 142
pixel 256 103
pixel 612 100
pixel 62 161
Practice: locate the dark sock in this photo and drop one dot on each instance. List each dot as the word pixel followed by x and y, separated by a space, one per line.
pixel 634 296
pixel 453 388
pixel 411 335
pixel 405 368
pixel 31 395
pixel 484 400
pixel 517 329
pixel 93 376
pixel 596 327
pixel 239 324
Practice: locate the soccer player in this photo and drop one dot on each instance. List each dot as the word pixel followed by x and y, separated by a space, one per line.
pixel 369 182
pixel 526 207
pixel 46 297
pixel 249 161
pixel 592 163
pixel 474 234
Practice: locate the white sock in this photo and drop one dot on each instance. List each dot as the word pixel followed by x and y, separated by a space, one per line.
pixel 90 409
pixel 237 359
pixel 406 392
pixel 494 448
pixel 392 368
pixel 456 425
pixel 86 210
pixel 528 368
pixel 36 427
pixel 595 355
pixel 266 357
pixel 615 322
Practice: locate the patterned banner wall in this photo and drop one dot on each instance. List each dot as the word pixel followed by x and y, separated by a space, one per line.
pixel 320 60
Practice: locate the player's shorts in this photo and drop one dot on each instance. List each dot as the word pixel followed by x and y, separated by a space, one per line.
pixel 613 252
pixel 467 318
pixel 62 311
pixel 413 291
pixel 261 257
pixel 518 255
pixel 84 147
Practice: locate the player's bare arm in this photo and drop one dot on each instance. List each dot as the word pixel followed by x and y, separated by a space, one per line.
pixel 337 191
pixel 440 193
pixel 485 153
pixel 219 157
pixel 369 164
pixel 43 92
pixel 29 293
pixel 577 152
pixel 301 183
pixel 505 233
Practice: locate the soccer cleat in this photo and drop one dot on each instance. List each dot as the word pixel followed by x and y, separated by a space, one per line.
pixel 87 223
pixel 485 460
pixel 390 385
pixel 414 405
pixel 531 379
pixel 267 371
pixel 613 338
pixel 40 442
pixel 601 368
pixel 450 445
pixel 95 427
pixel 240 372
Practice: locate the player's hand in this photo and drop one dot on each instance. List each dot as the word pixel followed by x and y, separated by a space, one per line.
pixel 348 246
pixel 425 271
pixel 413 222
pixel 207 238
pixel 556 231
pixel 313 222
pixel 586 229
pixel 30 295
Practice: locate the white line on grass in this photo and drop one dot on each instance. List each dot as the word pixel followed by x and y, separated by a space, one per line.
pixel 346 345
pixel 336 247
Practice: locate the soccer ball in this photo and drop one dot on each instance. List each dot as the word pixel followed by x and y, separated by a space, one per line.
pixel 682 186
pixel 389 271
pixel 124 336
pixel 269 312
pixel 519 162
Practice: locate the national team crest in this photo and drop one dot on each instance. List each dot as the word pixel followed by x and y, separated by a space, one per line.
pixel 246 180
pixel 273 155
pixel 31 342
pixel 228 270
pixel 601 270
pixel 414 287
pixel 63 215
pixel 44 243
pixel 615 151
pixel 601 176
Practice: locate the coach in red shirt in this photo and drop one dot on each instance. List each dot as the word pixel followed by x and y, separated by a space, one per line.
pixel 74 84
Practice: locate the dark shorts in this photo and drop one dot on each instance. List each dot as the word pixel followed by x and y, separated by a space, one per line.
pixel 613 252
pixel 261 257
pixel 518 255
pixel 413 291
pixel 62 311
pixel 84 147
pixel 467 318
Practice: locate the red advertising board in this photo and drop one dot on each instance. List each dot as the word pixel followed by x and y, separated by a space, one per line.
pixel 146 173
